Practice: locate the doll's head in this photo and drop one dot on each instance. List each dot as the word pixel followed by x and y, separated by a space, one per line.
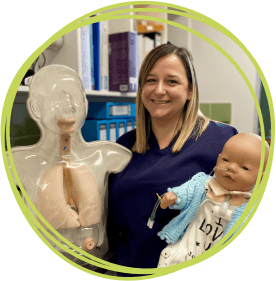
pixel 56 91
pixel 238 164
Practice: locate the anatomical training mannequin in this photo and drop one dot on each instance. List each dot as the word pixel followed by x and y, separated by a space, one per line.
pixel 65 177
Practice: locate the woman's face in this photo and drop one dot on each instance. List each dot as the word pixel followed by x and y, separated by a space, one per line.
pixel 166 89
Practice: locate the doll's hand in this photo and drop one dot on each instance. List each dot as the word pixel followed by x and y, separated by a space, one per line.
pixel 168 199
pixel 88 244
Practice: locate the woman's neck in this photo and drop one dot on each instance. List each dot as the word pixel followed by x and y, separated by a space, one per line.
pixel 165 131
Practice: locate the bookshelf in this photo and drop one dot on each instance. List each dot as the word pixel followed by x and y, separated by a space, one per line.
pixel 95 96
pixel 70 54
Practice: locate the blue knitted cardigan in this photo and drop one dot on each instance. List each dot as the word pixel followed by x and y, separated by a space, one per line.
pixel 190 195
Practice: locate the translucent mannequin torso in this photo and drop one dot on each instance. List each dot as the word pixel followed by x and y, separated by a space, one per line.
pixel 56 93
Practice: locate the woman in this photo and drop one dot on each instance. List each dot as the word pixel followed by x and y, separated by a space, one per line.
pixel 172 142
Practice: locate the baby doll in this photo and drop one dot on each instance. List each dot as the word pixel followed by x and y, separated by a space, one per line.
pixel 211 206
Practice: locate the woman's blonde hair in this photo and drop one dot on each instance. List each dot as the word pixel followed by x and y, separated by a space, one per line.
pixel 193 123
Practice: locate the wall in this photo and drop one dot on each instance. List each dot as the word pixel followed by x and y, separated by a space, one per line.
pixel 219 81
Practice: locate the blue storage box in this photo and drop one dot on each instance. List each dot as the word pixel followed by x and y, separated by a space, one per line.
pixel 110 110
pixel 108 129
pixel 93 130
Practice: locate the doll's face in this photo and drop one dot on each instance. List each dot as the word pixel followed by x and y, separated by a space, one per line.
pixel 241 160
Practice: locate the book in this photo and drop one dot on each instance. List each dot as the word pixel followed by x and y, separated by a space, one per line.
pixel 92 57
pixel 96 56
pixel 122 62
pixel 85 57
pixel 149 45
pixel 100 43
pixel 104 55
pixel 141 51
pixel 157 39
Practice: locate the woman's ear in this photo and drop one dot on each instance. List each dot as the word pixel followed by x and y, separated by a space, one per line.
pixel 190 94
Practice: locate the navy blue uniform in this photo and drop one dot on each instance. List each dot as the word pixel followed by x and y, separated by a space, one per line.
pixel 132 193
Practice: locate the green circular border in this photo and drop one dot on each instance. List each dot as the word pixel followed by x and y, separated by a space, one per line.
pixel 202 18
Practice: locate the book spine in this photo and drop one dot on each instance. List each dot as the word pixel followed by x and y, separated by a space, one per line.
pixel 149 45
pixel 141 50
pixel 85 57
pixel 97 52
pixel 104 55
pixel 157 40
pixel 92 57
pixel 132 60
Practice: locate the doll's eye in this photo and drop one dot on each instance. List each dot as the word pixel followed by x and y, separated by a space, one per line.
pixel 245 168
pixel 225 160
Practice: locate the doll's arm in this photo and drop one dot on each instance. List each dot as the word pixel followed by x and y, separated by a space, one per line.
pixel 168 199
pixel 185 193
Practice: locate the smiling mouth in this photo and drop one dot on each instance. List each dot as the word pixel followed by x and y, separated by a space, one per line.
pixel 160 102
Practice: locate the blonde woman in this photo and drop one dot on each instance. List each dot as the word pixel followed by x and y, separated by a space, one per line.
pixel 172 143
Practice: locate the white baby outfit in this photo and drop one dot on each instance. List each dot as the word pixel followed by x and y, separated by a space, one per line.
pixel 203 232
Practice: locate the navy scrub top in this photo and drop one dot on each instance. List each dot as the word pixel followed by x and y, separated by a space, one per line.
pixel 132 193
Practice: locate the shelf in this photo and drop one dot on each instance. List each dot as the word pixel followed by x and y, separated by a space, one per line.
pixel 105 96
pixel 95 96
pixel 23 89
pixel 149 28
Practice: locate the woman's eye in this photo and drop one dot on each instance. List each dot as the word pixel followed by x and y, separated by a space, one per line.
pixel 225 160
pixel 150 80
pixel 172 81
pixel 245 168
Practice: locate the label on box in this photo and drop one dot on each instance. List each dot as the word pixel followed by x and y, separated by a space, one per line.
pixel 112 132
pixel 129 126
pixel 103 135
pixel 123 88
pixel 120 110
pixel 121 129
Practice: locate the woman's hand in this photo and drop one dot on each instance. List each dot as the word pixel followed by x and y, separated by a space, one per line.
pixel 168 199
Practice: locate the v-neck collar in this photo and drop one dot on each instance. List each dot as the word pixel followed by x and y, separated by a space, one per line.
pixel 153 143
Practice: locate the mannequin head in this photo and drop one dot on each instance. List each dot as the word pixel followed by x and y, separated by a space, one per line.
pixel 239 162
pixel 56 91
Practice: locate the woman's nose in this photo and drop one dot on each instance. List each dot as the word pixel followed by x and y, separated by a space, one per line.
pixel 160 88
